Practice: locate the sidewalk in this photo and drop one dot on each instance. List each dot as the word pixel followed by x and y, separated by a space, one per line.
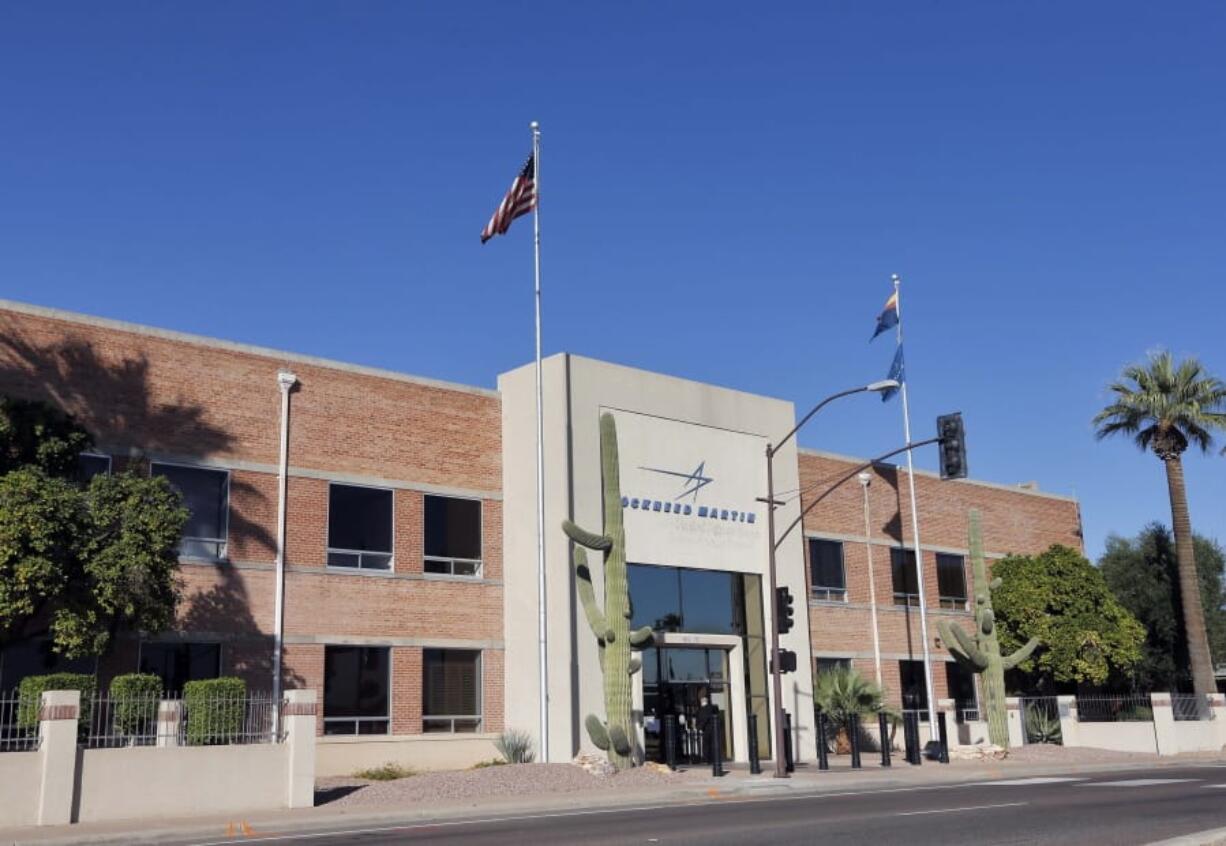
pixel 737 785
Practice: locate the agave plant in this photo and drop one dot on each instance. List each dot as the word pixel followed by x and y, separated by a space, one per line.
pixel 515 747
pixel 1042 726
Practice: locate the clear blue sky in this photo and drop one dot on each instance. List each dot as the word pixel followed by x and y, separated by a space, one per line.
pixel 727 188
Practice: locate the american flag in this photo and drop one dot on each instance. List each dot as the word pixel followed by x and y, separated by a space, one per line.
pixel 520 200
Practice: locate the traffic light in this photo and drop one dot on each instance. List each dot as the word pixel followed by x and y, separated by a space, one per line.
pixel 784 613
pixel 787 661
pixel 953 446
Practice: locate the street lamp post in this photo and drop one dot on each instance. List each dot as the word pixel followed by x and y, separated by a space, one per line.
pixel 866 479
pixel 771 504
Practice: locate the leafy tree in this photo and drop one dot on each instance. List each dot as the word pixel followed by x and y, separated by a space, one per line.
pixel 1143 573
pixel 1063 600
pixel 78 563
pixel 1167 406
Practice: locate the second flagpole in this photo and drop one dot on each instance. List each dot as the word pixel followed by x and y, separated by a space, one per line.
pixel 540 448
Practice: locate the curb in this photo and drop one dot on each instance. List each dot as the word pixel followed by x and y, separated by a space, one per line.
pixel 810 783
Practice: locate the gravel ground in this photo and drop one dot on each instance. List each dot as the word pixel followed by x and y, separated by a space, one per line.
pixel 506 780
pixel 1043 753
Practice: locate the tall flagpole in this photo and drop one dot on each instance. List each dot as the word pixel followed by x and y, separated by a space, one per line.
pixel 915 530
pixel 540 447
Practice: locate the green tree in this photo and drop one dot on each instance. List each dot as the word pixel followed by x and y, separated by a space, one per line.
pixel 1167 406
pixel 1063 600
pixel 79 563
pixel 1143 573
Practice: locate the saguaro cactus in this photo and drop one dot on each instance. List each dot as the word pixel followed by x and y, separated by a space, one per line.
pixel 612 625
pixel 980 652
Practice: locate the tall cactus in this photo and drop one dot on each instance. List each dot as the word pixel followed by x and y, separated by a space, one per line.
pixel 612 625
pixel 980 652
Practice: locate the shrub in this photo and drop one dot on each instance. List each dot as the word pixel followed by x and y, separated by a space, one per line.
pixel 385 772
pixel 515 747
pixel 215 709
pixel 30 692
pixel 134 702
pixel 492 762
pixel 841 694
pixel 1136 714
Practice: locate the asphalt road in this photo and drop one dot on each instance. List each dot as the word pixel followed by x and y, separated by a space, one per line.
pixel 1130 807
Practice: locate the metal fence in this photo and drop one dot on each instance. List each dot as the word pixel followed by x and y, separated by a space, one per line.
pixel 1041 719
pixel 18 730
pixel 1188 707
pixel 1115 708
pixel 171 720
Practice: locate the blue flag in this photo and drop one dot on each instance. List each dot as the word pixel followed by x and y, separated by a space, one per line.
pixel 897 373
pixel 888 317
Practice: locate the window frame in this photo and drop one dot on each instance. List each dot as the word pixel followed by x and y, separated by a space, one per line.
pixel 329 549
pixel 356 721
pixel 952 603
pixel 479 563
pixel 825 593
pixel 908 600
pixel 223 548
pixel 478 719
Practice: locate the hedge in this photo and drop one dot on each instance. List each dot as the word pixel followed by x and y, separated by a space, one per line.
pixel 215 708
pixel 134 702
pixel 29 695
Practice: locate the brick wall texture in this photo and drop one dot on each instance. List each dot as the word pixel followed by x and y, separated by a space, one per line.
pixel 147 395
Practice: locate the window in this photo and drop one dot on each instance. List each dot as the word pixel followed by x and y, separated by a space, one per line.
pixel 453 536
pixel 206 493
pixel 914 688
pixel 356 684
pixel 359 527
pixel 961 686
pixel 451 690
pixel 902 572
pixel 36 657
pixel 91 464
pixel 826 565
pixel 951 581
pixel 830 665
pixel 178 663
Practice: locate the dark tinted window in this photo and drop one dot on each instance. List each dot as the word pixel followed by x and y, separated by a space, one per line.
pixel 359 518
pixel 178 663
pixel 36 658
pixel 829 665
pixel 951 576
pixel 679 599
pixel 90 465
pixel 826 564
pixel 902 571
pixel 961 685
pixel 451 689
pixel 655 597
pixel 356 683
pixel 914 690
pixel 453 527
pixel 206 494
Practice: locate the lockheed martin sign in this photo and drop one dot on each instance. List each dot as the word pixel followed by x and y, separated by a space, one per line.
pixel 689 492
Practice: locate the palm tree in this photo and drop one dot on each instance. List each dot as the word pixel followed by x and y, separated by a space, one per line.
pixel 1167 406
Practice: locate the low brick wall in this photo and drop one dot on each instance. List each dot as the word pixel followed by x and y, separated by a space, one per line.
pixel 338 756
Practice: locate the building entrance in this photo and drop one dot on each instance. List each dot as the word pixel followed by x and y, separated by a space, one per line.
pixel 688 684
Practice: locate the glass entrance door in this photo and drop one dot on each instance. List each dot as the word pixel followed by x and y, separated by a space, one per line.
pixel 686 683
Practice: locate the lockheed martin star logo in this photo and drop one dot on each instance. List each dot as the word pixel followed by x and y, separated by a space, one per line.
pixel 694 482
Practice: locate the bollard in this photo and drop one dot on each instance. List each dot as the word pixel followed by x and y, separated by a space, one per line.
pixel 883 729
pixel 853 736
pixel 670 741
pixel 788 760
pixel 755 765
pixel 715 746
pixel 910 723
pixel 944 752
pixel 823 755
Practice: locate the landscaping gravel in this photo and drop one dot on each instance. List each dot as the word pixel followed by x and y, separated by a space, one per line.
pixel 488 782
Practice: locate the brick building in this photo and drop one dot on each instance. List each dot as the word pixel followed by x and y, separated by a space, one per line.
pixel 409 553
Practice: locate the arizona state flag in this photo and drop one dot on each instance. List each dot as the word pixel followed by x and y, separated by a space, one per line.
pixel 889 315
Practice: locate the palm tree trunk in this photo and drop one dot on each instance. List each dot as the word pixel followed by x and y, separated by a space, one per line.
pixel 1189 582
